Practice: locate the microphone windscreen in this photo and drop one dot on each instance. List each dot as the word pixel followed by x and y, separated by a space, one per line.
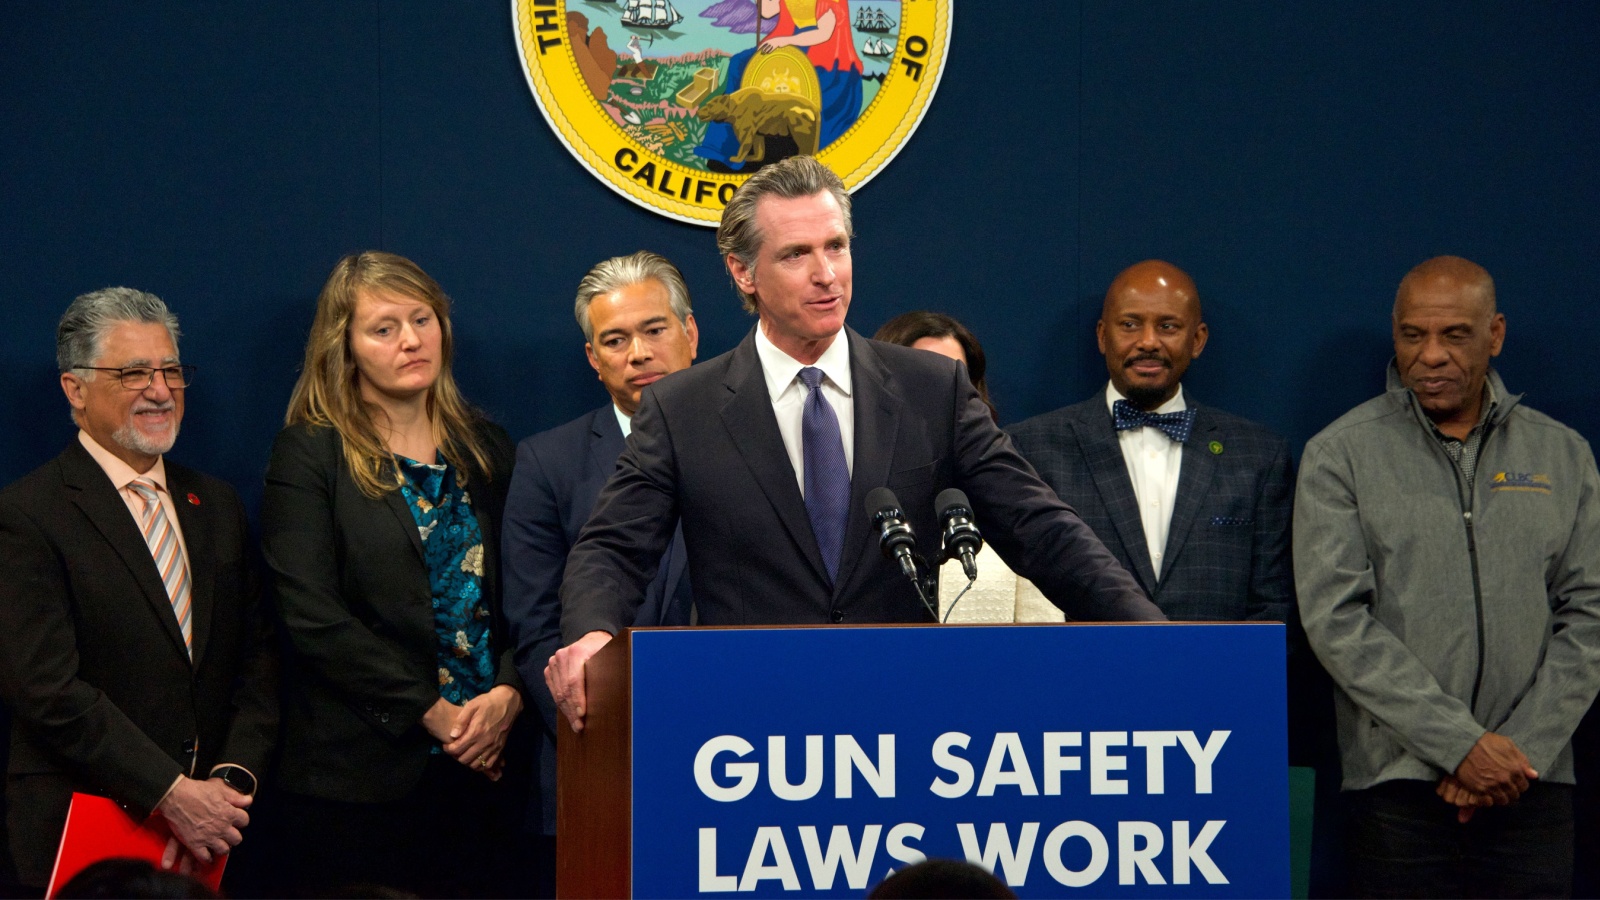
pixel 880 499
pixel 950 498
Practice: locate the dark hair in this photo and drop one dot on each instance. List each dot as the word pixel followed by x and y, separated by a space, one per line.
pixel 908 328
pixel 941 878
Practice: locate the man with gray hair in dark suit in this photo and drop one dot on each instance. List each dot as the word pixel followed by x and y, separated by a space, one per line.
pixel 638 328
pixel 133 653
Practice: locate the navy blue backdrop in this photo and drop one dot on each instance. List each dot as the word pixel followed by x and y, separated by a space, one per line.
pixel 1296 158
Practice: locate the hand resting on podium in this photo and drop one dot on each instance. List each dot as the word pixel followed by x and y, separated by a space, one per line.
pixel 564 675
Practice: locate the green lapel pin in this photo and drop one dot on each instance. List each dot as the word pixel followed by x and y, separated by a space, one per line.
pixel 1216 448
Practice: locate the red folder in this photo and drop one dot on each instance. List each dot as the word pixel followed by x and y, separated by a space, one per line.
pixel 98 829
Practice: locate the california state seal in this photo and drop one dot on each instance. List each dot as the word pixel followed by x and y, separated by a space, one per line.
pixel 673 103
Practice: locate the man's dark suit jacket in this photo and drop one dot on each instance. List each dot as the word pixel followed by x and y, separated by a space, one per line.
pixel 706 449
pixel 1227 553
pixel 104 697
pixel 558 476
pixel 356 602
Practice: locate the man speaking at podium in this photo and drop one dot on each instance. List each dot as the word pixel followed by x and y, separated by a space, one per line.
pixel 767 454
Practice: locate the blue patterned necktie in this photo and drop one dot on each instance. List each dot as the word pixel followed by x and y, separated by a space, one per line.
pixel 827 475
pixel 1175 425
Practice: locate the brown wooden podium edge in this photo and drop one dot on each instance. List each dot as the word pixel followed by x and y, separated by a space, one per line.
pixel 594 793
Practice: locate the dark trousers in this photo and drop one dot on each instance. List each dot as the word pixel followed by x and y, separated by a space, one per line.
pixel 1406 842
pixel 454 835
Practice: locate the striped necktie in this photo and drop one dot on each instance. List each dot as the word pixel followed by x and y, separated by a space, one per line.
pixel 163 540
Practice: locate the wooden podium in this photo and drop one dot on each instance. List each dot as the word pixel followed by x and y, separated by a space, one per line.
pixel 594 794
pixel 1104 759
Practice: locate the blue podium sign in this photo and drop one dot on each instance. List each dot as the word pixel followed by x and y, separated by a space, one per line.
pixel 1092 760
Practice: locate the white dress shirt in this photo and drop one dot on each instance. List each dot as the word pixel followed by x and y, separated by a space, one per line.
pixel 1154 461
pixel 788 395
pixel 624 421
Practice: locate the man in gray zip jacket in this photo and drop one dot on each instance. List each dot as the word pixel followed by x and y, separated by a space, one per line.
pixel 1447 561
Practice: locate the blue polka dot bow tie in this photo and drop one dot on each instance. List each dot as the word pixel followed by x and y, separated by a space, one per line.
pixel 1175 425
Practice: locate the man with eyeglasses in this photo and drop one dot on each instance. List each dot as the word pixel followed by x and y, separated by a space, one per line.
pixel 133 653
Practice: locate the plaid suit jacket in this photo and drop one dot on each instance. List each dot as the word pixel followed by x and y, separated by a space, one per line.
pixel 1228 556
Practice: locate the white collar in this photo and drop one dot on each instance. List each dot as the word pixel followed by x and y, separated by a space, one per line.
pixel 1176 404
pixel 624 421
pixel 781 369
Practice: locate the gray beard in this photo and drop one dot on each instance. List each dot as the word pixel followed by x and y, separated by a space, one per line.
pixel 133 439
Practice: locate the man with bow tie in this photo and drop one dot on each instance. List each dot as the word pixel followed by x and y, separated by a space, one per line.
pixel 133 654
pixel 1195 502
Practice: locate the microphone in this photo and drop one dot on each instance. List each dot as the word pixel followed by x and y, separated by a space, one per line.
pixel 895 537
pixel 962 540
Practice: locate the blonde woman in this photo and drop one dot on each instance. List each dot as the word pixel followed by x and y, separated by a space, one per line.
pixel 381 527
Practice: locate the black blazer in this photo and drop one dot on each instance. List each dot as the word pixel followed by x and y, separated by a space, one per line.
pixel 559 474
pixel 706 448
pixel 355 600
pixel 1227 554
pixel 104 698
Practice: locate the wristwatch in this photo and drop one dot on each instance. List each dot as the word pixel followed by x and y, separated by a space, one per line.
pixel 236 777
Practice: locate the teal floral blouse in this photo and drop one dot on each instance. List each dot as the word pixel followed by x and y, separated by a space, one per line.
pixel 452 547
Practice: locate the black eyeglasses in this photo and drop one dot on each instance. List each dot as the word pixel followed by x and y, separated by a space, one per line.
pixel 137 378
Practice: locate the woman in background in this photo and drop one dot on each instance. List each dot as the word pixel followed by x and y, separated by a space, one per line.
pixel 380 523
pixel 945 336
pixel 998 595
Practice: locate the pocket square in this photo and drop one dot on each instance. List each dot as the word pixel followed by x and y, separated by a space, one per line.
pixel 1231 521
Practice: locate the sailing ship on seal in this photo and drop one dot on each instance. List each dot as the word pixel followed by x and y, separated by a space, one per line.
pixel 874 21
pixel 651 14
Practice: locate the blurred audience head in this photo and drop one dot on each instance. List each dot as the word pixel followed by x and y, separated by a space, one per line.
pixel 941 878
pixel 134 878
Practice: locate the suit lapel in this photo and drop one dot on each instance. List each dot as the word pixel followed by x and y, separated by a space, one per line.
pixel 94 494
pixel 1194 479
pixel 877 423
pixel 1097 438
pixel 194 519
pixel 396 501
pixel 753 428
pixel 605 443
